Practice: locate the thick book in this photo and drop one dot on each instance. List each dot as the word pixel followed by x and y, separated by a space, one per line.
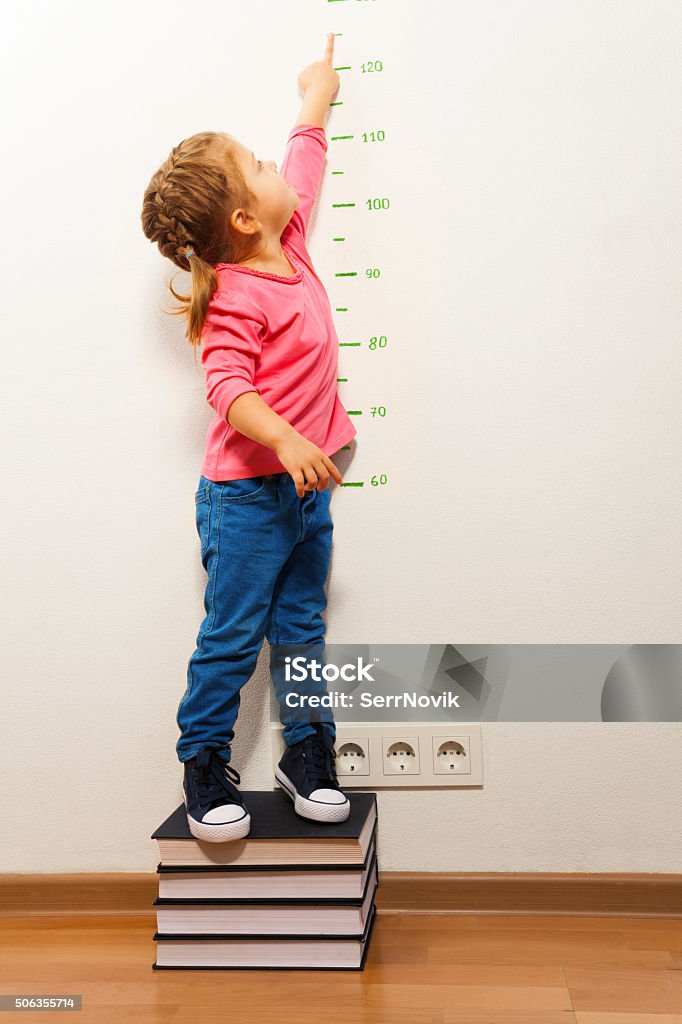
pixel 267 882
pixel 244 952
pixel 267 917
pixel 278 836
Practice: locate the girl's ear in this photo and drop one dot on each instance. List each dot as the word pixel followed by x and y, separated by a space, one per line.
pixel 241 220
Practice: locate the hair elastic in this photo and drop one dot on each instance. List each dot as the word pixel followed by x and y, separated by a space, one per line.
pixel 190 252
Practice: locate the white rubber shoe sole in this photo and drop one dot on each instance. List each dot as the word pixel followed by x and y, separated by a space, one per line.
pixel 316 810
pixel 220 832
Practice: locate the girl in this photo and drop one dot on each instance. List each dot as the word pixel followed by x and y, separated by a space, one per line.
pixel 270 353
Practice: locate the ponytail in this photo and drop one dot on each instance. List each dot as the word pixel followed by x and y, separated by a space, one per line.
pixel 186 210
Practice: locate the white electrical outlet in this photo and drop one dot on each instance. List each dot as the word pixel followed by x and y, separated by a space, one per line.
pixel 401 756
pixel 374 755
pixel 451 756
pixel 352 756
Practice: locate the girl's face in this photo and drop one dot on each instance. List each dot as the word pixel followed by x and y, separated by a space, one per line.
pixel 277 200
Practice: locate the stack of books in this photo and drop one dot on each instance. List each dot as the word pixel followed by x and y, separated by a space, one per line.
pixel 293 894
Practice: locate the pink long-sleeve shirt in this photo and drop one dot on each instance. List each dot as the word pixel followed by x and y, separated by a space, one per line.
pixel 275 335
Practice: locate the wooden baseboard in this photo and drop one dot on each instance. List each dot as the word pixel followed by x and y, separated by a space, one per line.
pixel 611 894
pixel 617 894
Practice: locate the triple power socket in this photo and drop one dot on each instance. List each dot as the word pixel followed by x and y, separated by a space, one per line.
pixel 369 755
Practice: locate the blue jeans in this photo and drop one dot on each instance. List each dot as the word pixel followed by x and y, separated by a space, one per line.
pixel 266 552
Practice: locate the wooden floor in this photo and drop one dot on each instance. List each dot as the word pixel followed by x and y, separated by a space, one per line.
pixel 420 969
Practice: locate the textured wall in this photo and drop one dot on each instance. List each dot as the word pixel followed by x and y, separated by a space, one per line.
pixel 531 291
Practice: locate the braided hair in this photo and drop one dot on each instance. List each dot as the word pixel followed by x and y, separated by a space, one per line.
pixel 186 210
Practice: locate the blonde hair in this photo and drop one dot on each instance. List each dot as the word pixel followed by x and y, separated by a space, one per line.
pixel 187 205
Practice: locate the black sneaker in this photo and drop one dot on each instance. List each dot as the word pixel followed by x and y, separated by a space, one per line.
pixel 306 773
pixel 216 811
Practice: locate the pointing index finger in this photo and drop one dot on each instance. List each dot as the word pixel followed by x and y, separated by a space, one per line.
pixel 329 48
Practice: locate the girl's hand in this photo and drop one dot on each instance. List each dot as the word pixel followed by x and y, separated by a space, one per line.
pixel 308 466
pixel 320 74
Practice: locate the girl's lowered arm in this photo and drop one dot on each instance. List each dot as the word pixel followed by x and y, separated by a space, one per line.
pixel 254 418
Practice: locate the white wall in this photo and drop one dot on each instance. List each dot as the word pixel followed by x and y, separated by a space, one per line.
pixel 531 291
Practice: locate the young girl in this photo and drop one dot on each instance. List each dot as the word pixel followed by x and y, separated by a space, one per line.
pixel 270 353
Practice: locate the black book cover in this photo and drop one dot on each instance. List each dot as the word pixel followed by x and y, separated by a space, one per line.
pixel 195 869
pixel 273 817
pixel 364 940
pixel 341 901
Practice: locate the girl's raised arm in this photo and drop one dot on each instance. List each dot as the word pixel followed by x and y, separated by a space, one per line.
pixel 319 83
